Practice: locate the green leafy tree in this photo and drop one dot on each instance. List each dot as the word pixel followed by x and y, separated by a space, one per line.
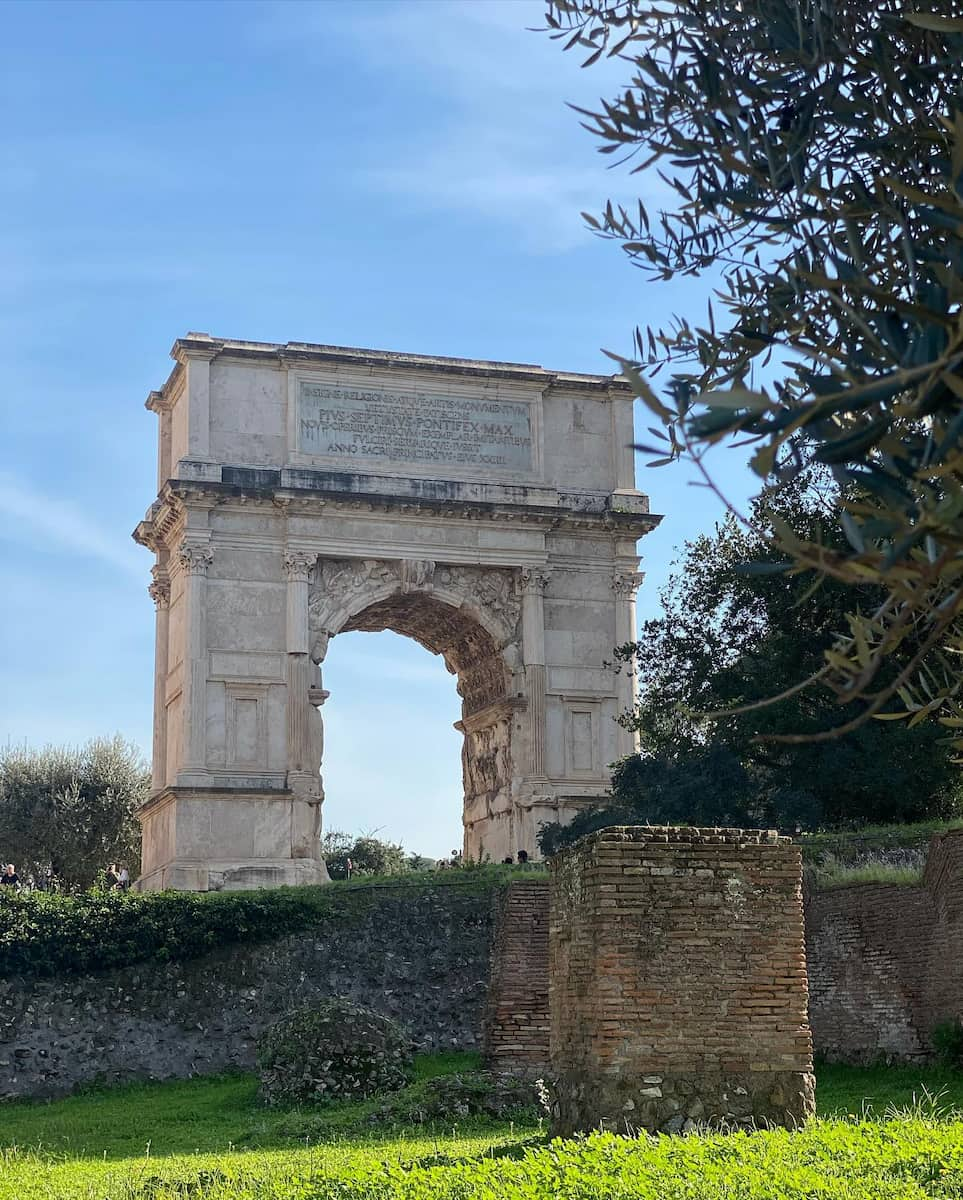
pixel 71 811
pixel 368 854
pixel 733 633
pixel 813 155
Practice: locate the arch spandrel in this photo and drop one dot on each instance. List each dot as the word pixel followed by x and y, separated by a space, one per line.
pixel 470 616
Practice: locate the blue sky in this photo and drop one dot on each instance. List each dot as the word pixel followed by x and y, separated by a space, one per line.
pixel 402 175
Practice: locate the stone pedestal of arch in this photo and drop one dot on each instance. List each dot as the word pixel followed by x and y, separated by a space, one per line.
pixel 486 510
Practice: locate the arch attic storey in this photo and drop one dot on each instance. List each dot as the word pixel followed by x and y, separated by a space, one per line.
pixel 487 510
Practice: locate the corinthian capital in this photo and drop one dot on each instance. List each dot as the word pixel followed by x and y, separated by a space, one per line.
pixel 626 583
pixel 195 557
pixel 159 589
pixel 534 579
pixel 298 565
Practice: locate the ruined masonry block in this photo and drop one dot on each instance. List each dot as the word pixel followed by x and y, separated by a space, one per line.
pixel 679 997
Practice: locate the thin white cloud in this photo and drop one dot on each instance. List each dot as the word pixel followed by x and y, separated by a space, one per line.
pixel 495 140
pixel 27 514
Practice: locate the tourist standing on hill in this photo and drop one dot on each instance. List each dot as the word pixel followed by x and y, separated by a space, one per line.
pixel 123 877
pixel 10 878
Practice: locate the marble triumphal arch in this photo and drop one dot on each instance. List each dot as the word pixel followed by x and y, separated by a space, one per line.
pixel 486 509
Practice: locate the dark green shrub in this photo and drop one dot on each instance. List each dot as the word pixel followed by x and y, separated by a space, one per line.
pixel 334 1051
pixel 947 1040
pixel 49 934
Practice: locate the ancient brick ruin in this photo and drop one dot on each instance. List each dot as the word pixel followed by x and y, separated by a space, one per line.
pixel 677 981
pixel 884 961
pixel 516 1018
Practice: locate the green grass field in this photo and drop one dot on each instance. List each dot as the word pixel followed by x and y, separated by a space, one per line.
pixel 210 1138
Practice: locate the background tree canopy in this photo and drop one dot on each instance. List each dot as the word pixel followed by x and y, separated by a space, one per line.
pixel 813 150
pixel 71 811
pixel 369 855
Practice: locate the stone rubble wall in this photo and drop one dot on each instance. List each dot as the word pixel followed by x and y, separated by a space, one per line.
pixel 420 956
pixel 677 981
pixel 884 968
pixel 516 1019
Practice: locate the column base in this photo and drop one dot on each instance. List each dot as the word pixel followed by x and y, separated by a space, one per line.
pixel 186 876
pixel 207 839
pixel 679 1103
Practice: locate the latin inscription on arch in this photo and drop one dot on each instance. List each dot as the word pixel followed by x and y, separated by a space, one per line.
pixel 417 427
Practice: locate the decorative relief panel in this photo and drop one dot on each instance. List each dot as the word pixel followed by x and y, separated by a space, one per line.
pixel 343 586
pixel 469 615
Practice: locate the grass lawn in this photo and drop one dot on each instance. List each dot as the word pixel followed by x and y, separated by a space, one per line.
pixel 210 1138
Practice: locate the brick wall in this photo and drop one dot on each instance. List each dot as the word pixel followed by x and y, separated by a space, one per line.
pixel 885 964
pixel 868 954
pixel 516 1018
pixel 677 980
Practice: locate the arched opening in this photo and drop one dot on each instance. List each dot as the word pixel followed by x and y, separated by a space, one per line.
pixel 392 760
pixel 467 616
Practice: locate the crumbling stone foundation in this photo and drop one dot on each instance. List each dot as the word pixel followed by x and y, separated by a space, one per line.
pixel 677 981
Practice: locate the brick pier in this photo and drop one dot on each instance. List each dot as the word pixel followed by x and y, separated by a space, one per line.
pixel 677 974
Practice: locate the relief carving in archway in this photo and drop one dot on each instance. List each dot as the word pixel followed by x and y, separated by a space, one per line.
pixel 470 615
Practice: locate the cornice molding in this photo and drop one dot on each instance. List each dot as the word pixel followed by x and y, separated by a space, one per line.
pixel 308 354
pixel 179 494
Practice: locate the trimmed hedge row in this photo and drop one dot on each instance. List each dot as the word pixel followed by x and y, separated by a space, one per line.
pixel 43 934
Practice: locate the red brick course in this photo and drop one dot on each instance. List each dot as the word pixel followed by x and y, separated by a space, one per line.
pixel 886 961
pixel 516 1019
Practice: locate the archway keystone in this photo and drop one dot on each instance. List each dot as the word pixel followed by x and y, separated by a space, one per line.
pixel 487 510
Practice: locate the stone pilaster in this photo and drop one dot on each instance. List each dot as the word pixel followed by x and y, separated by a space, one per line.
pixel 160 593
pixel 298 566
pixel 194 559
pixel 533 584
pixel 625 584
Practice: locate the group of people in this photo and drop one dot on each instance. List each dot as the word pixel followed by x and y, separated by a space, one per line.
pixel 116 877
pixel 456 860
pixel 10 877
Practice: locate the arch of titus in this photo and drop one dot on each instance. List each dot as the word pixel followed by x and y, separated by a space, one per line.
pixel 486 509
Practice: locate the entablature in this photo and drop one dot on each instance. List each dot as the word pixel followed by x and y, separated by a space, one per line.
pixel 252 487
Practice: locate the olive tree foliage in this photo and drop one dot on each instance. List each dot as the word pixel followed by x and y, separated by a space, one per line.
pixel 70 811
pixel 728 637
pixel 813 155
